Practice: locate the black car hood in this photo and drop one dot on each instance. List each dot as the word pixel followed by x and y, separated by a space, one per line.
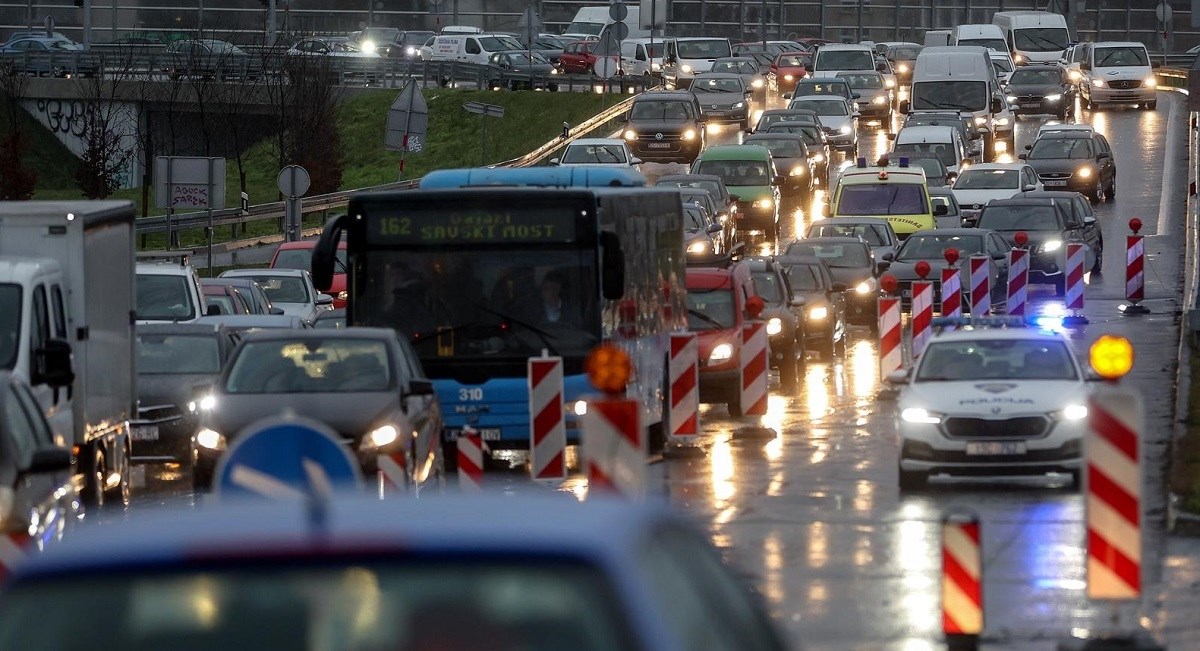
pixel 171 389
pixel 723 100
pixel 1048 165
pixel 812 297
pixel 653 126
pixel 850 276
pixel 351 414
pixel 1034 89
pixel 1035 237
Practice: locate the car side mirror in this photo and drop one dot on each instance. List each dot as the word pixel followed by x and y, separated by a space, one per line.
pixel 969 222
pixel 855 96
pixel 940 210
pixel 277 311
pixel 635 161
pixel 1000 256
pixel 839 287
pixel 787 96
pixel 882 266
pixel 324 299
pixel 51 459
pixel 891 136
pixel 889 257
pixel 52 365
pixel 897 377
pixel 554 161
pixel 1028 187
pixel 1022 156
pixel 713 229
pixel 420 387
pixel 212 310
pixel 903 106
pixel 1089 220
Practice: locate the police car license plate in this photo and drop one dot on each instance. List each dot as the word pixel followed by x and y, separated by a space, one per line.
pixel 488 433
pixel 1055 184
pixel 145 432
pixel 993 448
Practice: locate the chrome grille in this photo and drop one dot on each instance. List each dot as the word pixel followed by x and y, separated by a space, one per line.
pixel 1023 427
pixel 1125 84
pixel 1055 175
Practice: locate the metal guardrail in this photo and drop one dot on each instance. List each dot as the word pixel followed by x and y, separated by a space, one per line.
pixel 339 200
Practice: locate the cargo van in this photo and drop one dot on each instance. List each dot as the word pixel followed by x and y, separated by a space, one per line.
pixel 937 37
pixel 683 57
pixel 988 36
pixel 471 48
pixel 832 59
pixel 897 193
pixel 1033 36
pixel 641 56
pixel 590 21
pixel 1116 72
pixel 963 79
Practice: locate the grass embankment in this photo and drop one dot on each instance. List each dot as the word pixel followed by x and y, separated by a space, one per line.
pixel 53 162
pixel 1185 468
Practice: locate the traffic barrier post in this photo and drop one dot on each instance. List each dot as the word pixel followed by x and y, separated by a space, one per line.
pixel 1018 276
pixel 922 310
pixel 14 547
pixel 981 288
pixel 615 446
pixel 752 360
pixel 1073 284
pixel 1135 277
pixel 470 459
pixel 962 581
pixel 951 290
pixel 392 474
pixel 684 394
pixel 548 426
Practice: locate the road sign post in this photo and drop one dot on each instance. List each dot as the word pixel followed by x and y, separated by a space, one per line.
pixel 293 182
pixel 487 111
pixel 407 122
pixel 189 183
pixel 286 458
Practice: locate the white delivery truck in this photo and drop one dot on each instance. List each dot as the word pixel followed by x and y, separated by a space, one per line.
pixel 1033 36
pixel 67 327
pixel 590 21
pixel 937 37
pixel 963 79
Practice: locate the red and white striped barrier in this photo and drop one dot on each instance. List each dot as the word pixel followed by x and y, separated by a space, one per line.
pixel 14 547
pixel 891 338
pixel 470 459
pixel 753 359
pixel 951 293
pixel 981 288
pixel 684 388
pixel 1114 494
pixel 922 315
pixel 393 474
pixel 1073 287
pixel 1135 263
pixel 547 422
pixel 615 447
pixel 962 581
pixel 1018 281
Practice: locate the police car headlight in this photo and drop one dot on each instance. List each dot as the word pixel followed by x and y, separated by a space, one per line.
pixel 699 246
pixel 1051 246
pixel 764 204
pixel 980 121
pixel 845 130
pixel 210 439
pixel 579 408
pixel 865 287
pixel 690 134
pixel 685 68
pixel 1149 82
pixel 1074 412
pixel 1054 98
pixel 774 326
pixel 757 83
pixel 818 313
pixel 1084 172
pixel 880 100
pixel 720 353
pixel 919 415
pixel 381 437
pixel 789 78
pixel 739 105
pixel 630 134
pixel 1099 83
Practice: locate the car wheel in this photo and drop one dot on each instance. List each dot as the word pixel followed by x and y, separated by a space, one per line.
pixel 1112 189
pixel 826 349
pixel 1098 262
pixel 1076 480
pixel 1060 287
pixel 788 373
pixel 1151 106
pixel 1097 194
pixel 912 480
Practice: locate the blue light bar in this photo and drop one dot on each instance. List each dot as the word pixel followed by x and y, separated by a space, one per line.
pixel 862 162
pixel 979 322
pixel 903 161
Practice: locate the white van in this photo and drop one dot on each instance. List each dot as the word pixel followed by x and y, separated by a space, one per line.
pixel 683 57
pixel 471 48
pixel 590 21
pixel 461 29
pixel 1117 72
pixel 937 37
pixel 1033 36
pixel 641 56
pixel 963 79
pixel 984 35
pixel 1003 65
pixel 835 58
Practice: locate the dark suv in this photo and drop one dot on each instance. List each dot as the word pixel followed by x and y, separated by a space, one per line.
pixel 665 127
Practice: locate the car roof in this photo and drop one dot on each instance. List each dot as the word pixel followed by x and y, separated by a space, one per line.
pixel 597 141
pixel 773 135
pixel 822 80
pixel 1040 66
pixel 808 98
pixel 254 320
pixel 1022 201
pixel 357 332
pixel 689 177
pixel 712 277
pixel 603 530
pixel 926 131
pixel 996 166
pixel 178 329
pixel 941 191
pixel 951 231
pixel 262 271
pixel 718 75
pixel 1074 134
pixel 736 152
pixel 1053 194
pixel 665 94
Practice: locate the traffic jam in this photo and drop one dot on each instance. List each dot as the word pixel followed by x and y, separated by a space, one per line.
pixel 813 350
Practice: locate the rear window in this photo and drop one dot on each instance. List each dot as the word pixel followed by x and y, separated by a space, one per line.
pixel 844 60
pixel 883 199
pixel 1020 218
pixel 162 297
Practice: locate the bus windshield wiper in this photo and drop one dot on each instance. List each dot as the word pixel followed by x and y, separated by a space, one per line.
pixel 542 334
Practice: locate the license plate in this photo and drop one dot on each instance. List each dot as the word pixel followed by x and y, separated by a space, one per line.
pixel 487 434
pixel 658 145
pixel 1055 184
pixel 145 432
pixel 1031 105
pixel 993 448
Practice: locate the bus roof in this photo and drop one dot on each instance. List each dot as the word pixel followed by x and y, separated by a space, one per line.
pixel 555 177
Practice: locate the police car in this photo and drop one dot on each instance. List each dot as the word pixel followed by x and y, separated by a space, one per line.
pixel 992 398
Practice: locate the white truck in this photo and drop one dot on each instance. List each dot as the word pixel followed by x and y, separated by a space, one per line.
pixel 590 21
pixel 67 328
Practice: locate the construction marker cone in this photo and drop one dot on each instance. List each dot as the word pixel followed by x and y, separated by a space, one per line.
pixel 615 446
pixel 981 287
pixel 1135 278
pixel 1073 284
pixel 891 336
pixel 393 474
pixel 684 383
pixel 1114 490
pixel 470 459
pixel 922 309
pixel 752 358
pixel 951 290
pixel 548 426
pixel 962 581
pixel 1018 276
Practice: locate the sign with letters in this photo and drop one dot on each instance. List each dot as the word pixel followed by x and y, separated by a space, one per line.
pixel 189 183
pixel 421 225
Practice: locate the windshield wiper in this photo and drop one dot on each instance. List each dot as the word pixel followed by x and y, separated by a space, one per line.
pixel 542 334
pixel 706 318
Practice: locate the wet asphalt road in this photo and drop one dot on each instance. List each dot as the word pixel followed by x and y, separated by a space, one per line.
pixel 814 518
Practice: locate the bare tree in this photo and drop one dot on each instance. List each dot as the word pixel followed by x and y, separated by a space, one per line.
pixel 17 182
pixel 109 128
pixel 305 96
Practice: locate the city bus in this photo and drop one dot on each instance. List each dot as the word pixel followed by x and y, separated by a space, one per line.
pixel 549 177
pixel 479 280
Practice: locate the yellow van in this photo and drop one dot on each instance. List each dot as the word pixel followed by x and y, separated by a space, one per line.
pixel 896 192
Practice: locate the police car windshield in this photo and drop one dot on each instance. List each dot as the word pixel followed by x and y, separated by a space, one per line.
pixel 977 179
pixel 996 359
pixel 834 255
pixel 1020 218
pixel 931 247
pixel 883 199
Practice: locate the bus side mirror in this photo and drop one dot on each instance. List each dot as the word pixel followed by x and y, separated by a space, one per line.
pixel 324 255
pixel 612 266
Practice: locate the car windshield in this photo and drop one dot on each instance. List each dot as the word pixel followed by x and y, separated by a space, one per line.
pixel 833 255
pixel 224 303
pixel 1002 66
pixel 712 48
pixel 710 309
pixel 844 60
pixel 1020 218
pixel 379 34
pixel 931 247
pixel 780 147
pixel 768 286
pixel 162 297
pixel 718 85
pixel 957 95
pixel 736 67
pixel 584 154
pixel 996 44
pixel 903 53
pixel 695 218
pixel 1056 148
pixel 996 359
pixel 822 88
pixel 883 199
pixel 737 172
pixel 499 43
pixel 934 168
pixel 1041 39
pixel 833 107
pixel 1045 76
pixel 337 604
pixel 177 354
pixel 10 324
pixel 333 365
pixel 794 61
pixel 943 151
pixel 768 119
pixel 872 234
pixel 979 179
pixel 866 81
pixel 415 38
pixel 283 289
pixel 1111 57
pixel 302 259
pixel 524 57
pixel 583 27
pixel 804 278
pixel 661 110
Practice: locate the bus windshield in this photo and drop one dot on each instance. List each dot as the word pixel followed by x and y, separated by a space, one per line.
pixel 485 303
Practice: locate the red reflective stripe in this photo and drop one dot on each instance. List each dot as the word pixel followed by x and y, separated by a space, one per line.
pixel 949 625
pixel 959 576
pixel 555 467
pixel 597 479
pixel 1125 568
pixel 623 414
pixel 678 344
pixel 1107 491
pixel 1114 431
pixel 756 367
pixel 971 529
pixel 546 419
pixel 684 383
pixel 540 369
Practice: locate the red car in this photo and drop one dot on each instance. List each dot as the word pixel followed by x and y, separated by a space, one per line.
pixel 228 300
pixel 787 69
pixel 716 299
pixel 298 255
pixel 578 57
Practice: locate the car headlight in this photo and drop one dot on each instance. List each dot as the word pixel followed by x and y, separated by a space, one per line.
pixel 739 105
pixel 210 439
pixel 690 134
pixel 774 326
pixel 368 46
pixel 919 415
pixel 685 68
pixel 865 287
pixel 757 83
pixel 1051 246
pixel 380 437
pixel 630 134
pixel 579 407
pixel 902 68
pixel 818 313
pixel 1099 83
pixel 845 131
pixel 999 146
pixel 879 100
pixel 203 404
pixel 764 204
pixel 1074 412
pixel 1054 98
pixel 789 78
pixel 817 158
pixel 797 171
pixel 890 83
pixel 1013 98
pixel 656 66
pixel 1074 75
pixel 554 71
pixel 410 50
pixel 699 246
pixel 1018 58
pixel 1149 82
pixel 980 121
pixel 1001 122
pixel 720 353
pixel 1084 172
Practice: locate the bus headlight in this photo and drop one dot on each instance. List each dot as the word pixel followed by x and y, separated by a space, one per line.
pixel 721 353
